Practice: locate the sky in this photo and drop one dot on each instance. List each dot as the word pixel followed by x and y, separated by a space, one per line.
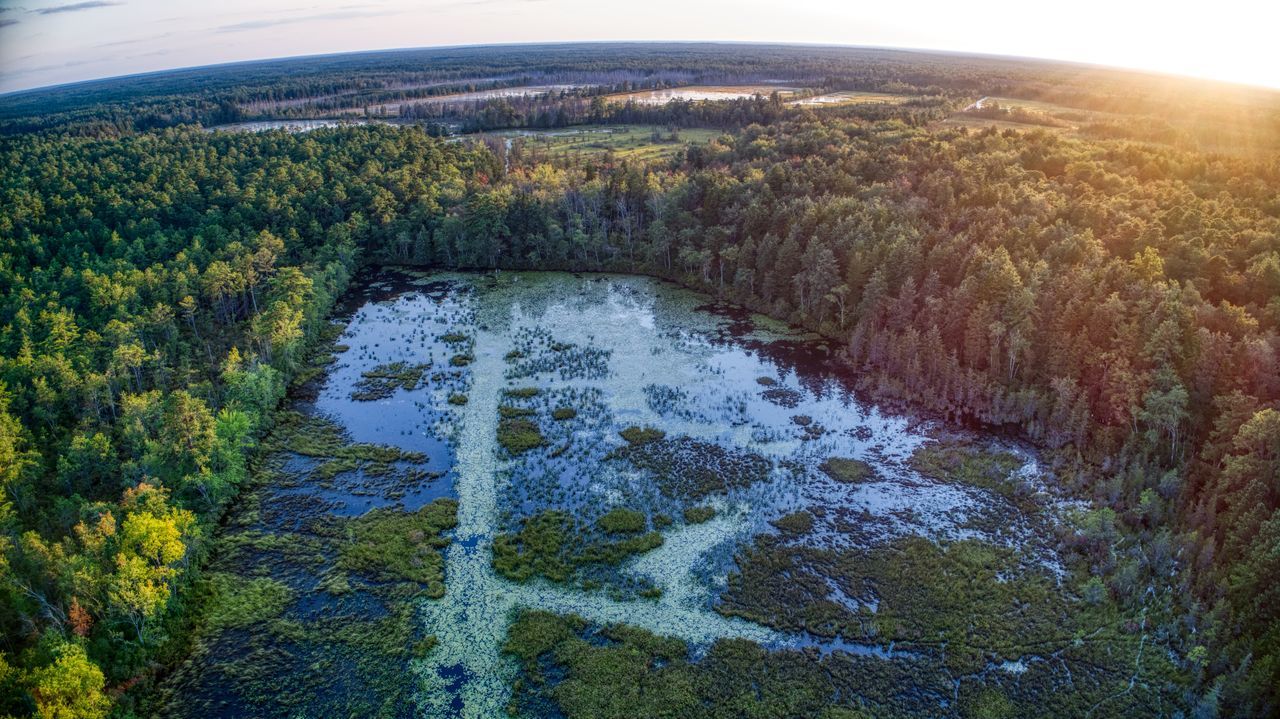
pixel 46 42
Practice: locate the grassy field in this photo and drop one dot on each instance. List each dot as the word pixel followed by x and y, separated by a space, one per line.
pixel 637 142
pixel 700 92
pixel 850 97
pixel 1028 113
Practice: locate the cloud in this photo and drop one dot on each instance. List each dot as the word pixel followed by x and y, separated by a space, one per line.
pixel 5 22
pixel 46 68
pixel 134 40
pixel 274 22
pixel 76 7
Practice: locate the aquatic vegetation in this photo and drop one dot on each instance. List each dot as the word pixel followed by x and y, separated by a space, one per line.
pixel 973 465
pixel 539 548
pixel 589 671
pixel 470 621
pixel 538 353
pixel 237 603
pixel 620 520
pixel 313 436
pixel 783 397
pixel 571 463
pixel 382 381
pixel 688 468
pixel 962 606
pixel 518 435
pixel 642 435
pixel 698 515
pixel 849 471
pixel 795 523
pixel 553 545
pixel 389 545
pixel 668 401
pixel 311 595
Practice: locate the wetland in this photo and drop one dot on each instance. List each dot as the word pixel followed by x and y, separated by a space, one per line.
pixel 561 495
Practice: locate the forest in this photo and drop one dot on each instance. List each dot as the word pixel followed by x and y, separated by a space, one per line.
pixel 1113 299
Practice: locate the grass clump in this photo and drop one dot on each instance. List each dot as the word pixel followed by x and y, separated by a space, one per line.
pixel 518 435
pixel 848 471
pixel 698 515
pixel 522 392
pixel 457 399
pixel 691 469
pixel 539 548
pixel 616 672
pixel 393 546
pixel 382 381
pixel 561 414
pixel 237 602
pixel 795 523
pixel 620 520
pixel 461 360
pixel 552 544
pixel 453 338
pixel 642 435
pixel 963 463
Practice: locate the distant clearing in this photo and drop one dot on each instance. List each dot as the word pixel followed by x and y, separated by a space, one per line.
pixel 633 142
pixel 1005 111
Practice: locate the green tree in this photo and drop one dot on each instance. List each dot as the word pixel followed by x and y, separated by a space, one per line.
pixel 71 687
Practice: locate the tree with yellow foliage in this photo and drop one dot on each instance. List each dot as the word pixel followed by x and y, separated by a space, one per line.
pixel 70 687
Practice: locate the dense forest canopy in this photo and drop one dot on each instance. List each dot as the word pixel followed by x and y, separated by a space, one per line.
pixel 1137 105
pixel 1112 297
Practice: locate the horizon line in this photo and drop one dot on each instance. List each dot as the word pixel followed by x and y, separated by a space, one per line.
pixel 563 43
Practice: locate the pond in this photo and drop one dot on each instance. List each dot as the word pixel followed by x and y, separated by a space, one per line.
pixel 699 93
pixel 293 126
pixel 620 450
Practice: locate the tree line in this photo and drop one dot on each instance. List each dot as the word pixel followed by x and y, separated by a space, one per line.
pixel 160 291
